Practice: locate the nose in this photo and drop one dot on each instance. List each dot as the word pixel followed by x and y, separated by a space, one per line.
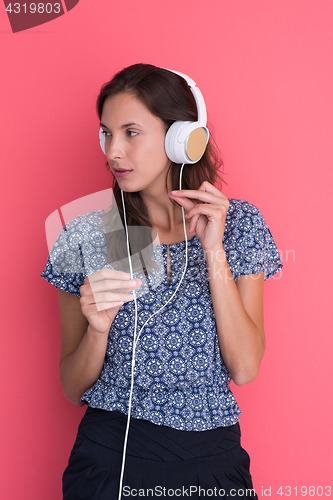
pixel 114 147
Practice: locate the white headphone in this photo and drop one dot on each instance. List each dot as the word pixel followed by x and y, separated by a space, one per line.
pixel 185 142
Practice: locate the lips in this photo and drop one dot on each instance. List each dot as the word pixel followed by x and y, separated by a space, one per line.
pixel 121 170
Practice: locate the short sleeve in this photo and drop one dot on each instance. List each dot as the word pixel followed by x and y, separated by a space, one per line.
pixel 254 243
pixel 65 267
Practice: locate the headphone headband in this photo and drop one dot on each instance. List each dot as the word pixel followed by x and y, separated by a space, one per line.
pixel 201 107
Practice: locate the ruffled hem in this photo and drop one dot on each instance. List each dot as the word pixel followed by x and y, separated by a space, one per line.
pixel 272 269
pixel 69 282
pixel 191 409
pixel 269 270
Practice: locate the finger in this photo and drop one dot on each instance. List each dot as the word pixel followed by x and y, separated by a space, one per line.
pixel 196 195
pixel 193 223
pixel 104 274
pixel 105 306
pixel 89 302
pixel 101 306
pixel 209 188
pixel 184 202
pixel 206 186
pixel 208 210
pixel 215 206
pixel 114 285
pixel 112 297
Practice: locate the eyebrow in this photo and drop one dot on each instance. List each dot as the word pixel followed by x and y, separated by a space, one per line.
pixel 123 126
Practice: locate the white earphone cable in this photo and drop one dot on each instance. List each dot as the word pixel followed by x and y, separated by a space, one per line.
pixel 135 339
pixel 133 358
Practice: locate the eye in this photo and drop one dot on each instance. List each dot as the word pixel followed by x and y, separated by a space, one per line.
pixel 107 134
pixel 132 132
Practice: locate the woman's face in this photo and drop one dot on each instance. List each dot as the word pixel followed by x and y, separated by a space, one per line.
pixel 134 141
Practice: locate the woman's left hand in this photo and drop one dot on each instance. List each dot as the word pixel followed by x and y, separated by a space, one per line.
pixel 207 218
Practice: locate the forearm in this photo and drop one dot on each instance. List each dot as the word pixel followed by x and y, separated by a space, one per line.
pixel 241 342
pixel 81 369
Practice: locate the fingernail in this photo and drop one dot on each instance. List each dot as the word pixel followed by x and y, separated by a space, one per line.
pixel 173 192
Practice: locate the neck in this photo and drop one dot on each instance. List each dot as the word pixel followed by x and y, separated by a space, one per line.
pixel 162 212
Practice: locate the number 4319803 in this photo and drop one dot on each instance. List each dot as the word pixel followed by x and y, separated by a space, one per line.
pixel 311 491
pixel 34 8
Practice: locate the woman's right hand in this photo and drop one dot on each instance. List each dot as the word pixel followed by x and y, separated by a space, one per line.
pixel 102 294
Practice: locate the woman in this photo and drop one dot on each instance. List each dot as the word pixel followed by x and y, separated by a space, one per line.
pixel 195 331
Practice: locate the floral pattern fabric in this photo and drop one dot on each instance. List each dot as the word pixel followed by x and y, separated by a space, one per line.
pixel 180 379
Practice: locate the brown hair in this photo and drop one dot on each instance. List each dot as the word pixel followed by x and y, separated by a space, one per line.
pixel 168 97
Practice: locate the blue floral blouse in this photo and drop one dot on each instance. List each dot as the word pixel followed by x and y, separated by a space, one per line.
pixel 180 378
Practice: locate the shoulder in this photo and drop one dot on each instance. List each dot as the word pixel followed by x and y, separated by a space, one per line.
pixel 84 222
pixel 80 229
pixel 75 234
pixel 242 213
pixel 238 205
pixel 69 246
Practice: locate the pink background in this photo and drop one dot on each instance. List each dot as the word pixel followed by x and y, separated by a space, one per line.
pixel 265 70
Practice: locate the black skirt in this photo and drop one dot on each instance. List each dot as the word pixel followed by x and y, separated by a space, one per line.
pixel 161 462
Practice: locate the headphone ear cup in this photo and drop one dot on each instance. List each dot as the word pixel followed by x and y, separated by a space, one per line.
pixel 191 147
pixel 175 151
pixel 102 140
pixel 196 143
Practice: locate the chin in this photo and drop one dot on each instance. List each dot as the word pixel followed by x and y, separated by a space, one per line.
pixel 126 189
